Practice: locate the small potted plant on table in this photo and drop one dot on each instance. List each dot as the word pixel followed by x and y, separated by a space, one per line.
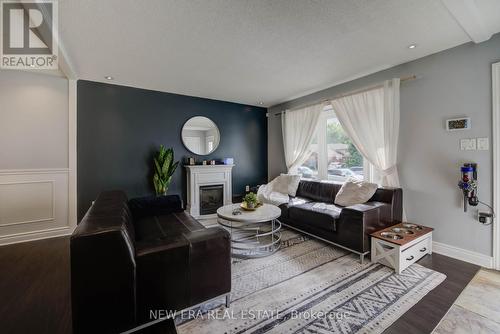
pixel 251 201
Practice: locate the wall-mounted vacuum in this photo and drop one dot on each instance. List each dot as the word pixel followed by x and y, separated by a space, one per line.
pixel 468 185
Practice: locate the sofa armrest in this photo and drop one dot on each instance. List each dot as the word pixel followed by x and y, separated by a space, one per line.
pixel 373 215
pixel 174 273
pixel 162 272
pixel 360 220
pixel 203 237
pixel 362 208
pixel 210 263
pixel 367 214
pixel 393 197
pixel 103 271
pixel 155 205
pixel 159 246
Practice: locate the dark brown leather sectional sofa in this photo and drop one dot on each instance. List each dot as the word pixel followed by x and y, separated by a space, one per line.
pixel 128 258
pixel 313 211
pixel 132 257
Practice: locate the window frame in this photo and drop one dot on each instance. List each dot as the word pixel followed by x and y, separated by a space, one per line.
pixel 321 135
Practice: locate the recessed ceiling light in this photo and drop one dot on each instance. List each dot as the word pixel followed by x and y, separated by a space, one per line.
pixel 412 46
pixel 261 103
pixel 108 77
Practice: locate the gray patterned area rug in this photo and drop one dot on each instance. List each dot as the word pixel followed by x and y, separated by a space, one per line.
pixel 311 287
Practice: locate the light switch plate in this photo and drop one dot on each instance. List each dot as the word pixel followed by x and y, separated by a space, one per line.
pixel 464 144
pixel 483 144
pixel 468 144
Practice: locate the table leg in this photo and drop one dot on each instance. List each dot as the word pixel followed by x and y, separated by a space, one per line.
pixel 373 253
pixel 272 234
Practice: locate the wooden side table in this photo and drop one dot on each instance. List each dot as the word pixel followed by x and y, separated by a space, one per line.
pixel 401 245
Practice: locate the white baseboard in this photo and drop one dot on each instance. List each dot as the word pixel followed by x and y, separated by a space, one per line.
pixel 36 235
pixel 463 254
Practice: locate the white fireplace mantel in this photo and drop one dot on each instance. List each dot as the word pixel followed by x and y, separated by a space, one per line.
pixel 206 175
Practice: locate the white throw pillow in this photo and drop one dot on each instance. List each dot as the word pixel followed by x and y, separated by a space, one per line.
pixel 279 185
pixel 355 192
pixel 287 184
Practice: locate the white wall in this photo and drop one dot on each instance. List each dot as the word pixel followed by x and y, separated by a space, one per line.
pixel 33 156
pixel 33 121
pixel 452 83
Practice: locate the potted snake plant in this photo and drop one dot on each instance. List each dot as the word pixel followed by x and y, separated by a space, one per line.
pixel 164 167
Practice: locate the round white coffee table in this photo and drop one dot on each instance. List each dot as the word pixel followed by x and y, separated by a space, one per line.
pixel 253 233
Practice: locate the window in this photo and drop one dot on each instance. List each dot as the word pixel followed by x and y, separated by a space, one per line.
pixel 309 168
pixel 210 143
pixel 334 156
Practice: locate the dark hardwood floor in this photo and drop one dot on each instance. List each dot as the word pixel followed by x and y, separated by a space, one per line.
pixel 426 314
pixel 35 287
pixel 35 290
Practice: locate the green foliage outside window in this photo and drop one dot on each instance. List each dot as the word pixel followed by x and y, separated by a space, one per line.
pixel 335 134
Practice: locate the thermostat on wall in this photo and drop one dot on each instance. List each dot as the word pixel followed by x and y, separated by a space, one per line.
pixel 458 124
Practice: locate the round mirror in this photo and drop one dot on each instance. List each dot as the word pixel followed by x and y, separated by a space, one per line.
pixel 200 135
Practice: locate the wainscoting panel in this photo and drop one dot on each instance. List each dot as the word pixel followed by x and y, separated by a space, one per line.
pixel 33 204
pixel 26 202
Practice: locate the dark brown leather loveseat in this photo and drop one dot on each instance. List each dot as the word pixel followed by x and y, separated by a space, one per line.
pixel 313 211
pixel 129 259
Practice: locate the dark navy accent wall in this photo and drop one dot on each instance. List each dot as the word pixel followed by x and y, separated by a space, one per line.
pixel 119 128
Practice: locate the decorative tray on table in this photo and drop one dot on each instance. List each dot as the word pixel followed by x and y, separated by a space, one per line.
pixel 244 206
pixel 402 233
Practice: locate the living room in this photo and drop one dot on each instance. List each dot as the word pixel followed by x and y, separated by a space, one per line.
pixel 250 166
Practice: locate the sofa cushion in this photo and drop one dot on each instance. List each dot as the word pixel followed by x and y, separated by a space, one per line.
pixel 293 201
pixel 318 191
pixel 160 227
pixel 355 192
pixel 148 228
pixel 286 184
pixel 293 181
pixel 319 214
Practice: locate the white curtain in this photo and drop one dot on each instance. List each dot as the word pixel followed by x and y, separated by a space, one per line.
pixel 298 127
pixel 371 119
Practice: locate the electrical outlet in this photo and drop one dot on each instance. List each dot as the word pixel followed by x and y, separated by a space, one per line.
pixel 468 144
pixel 247 188
pixel 483 144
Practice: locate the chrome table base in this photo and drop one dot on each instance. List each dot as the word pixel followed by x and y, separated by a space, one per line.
pixel 253 240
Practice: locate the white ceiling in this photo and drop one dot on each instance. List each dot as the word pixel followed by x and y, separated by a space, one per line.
pixel 249 51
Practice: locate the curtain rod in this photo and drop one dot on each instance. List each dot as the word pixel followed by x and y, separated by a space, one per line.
pixel 361 90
